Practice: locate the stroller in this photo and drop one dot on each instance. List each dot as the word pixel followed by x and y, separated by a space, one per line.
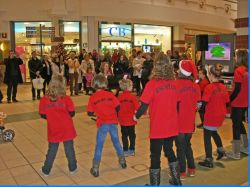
pixel 5 135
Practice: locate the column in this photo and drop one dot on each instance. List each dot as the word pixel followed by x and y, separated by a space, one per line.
pixel 179 39
pixel 241 23
pixel 92 33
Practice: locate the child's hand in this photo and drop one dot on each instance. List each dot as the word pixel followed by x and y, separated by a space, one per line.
pixel 134 118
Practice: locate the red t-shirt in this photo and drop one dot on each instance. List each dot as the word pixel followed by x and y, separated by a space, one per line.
pixel 162 97
pixel 59 123
pixel 241 76
pixel 203 83
pixel 103 104
pixel 128 105
pixel 189 93
pixel 216 96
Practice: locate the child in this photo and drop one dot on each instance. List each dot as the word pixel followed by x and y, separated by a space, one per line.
pixel 189 93
pixel 58 109
pixel 89 76
pixel 214 101
pixel 239 104
pixel 161 96
pixel 106 107
pixel 203 82
pixel 129 105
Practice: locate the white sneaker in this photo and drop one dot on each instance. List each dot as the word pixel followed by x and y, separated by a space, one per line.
pixel 43 174
pixel 244 150
pixel 73 172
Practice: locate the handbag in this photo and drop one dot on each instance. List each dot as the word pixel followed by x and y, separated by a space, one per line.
pixel 38 83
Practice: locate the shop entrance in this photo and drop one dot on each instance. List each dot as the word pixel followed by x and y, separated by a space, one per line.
pixel 110 46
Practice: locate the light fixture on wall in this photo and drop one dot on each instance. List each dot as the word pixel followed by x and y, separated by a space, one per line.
pixel 227 8
pixel 202 3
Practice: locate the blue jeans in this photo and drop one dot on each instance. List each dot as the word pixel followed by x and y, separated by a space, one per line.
pixel 100 138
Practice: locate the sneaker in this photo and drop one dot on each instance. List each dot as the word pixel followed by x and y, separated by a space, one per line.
pixel 183 175
pixel 244 150
pixel 208 163
pixel 126 153
pixel 73 172
pixel 232 155
pixel 131 152
pixel 220 154
pixel 200 126
pixel 43 174
pixel 191 172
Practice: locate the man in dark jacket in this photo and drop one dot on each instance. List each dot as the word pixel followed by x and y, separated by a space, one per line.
pixel 12 76
pixel 35 68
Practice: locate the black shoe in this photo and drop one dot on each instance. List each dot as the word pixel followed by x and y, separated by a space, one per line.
pixel 220 154
pixel 8 101
pixel 14 100
pixel 1 102
pixel 200 126
pixel 38 97
pixel 33 98
pixel 208 163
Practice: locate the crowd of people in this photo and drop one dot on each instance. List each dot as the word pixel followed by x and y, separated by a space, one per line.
pixel 171 87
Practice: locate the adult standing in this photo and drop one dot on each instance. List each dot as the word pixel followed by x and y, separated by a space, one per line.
pixel 146 70
pixel 137 67
pixel 239 104
pixel 73 72
pixel 35 68
pixel 12 76
pixel 161 92
pixel 46 72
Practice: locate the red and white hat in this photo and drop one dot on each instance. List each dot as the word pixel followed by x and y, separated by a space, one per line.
pixel 187 68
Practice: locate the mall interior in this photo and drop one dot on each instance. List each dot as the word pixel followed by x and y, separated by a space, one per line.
pixel 144 25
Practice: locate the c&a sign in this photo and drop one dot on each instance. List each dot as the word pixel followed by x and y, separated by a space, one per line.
pixel 115 32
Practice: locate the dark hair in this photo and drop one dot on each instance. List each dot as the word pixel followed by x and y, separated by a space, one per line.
pixel 242 57
pixel 138 53
pixel 216 70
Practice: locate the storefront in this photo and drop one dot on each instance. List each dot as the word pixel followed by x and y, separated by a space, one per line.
pixel 114 36
pixel 147 38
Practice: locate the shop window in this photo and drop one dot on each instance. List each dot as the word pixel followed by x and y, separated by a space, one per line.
pixel 151 37
pixel 32 36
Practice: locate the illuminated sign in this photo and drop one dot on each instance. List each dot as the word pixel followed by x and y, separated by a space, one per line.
pixel 115 32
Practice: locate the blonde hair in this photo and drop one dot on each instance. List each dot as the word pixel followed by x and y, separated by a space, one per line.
pixel 102 66
pixel 56 88
pixel 163 69
pixel 216 70
pixel 99 82
pixel 125 84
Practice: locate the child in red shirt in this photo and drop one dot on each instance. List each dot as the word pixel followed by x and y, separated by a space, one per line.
pixel 58 109
pixel 161 96
pixel 89 76
pixel 128 105
pixel 214 101
pixel 203 82
pixel 189 93
pixel 239 104
pixel 106 107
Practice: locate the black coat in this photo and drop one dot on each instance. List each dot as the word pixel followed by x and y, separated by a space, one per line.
pixel 44 71
pixel 7 75
pixel 34 66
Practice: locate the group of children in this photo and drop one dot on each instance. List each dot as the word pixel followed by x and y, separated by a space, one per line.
pixel 172 103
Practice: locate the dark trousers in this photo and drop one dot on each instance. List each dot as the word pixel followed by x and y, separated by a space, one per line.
pixel 156 146
pixel 12 87
pixel 51 155
pixel 184 151
pixel 34 91
pixel 144 82
pixel 137 83
pixel 208 144
pixel 46 83
pixel 73 82
pixel 128 132
pixel 238 115
pixel 1 96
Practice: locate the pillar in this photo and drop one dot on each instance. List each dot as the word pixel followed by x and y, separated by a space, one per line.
pixel 178 39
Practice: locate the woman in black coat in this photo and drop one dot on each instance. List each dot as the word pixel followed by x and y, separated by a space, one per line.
pixel 46 72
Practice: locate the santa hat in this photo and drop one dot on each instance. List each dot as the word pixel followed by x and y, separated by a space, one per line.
pixel 187 68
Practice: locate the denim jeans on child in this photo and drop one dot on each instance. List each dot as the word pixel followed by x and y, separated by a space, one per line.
pixel 100 138
pixel 51 155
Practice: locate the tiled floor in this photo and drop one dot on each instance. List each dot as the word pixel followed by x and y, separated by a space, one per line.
pixel 21 160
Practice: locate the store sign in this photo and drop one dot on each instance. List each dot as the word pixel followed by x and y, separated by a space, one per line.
pixel 115 32
pixel 57 39
pixel 33 32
